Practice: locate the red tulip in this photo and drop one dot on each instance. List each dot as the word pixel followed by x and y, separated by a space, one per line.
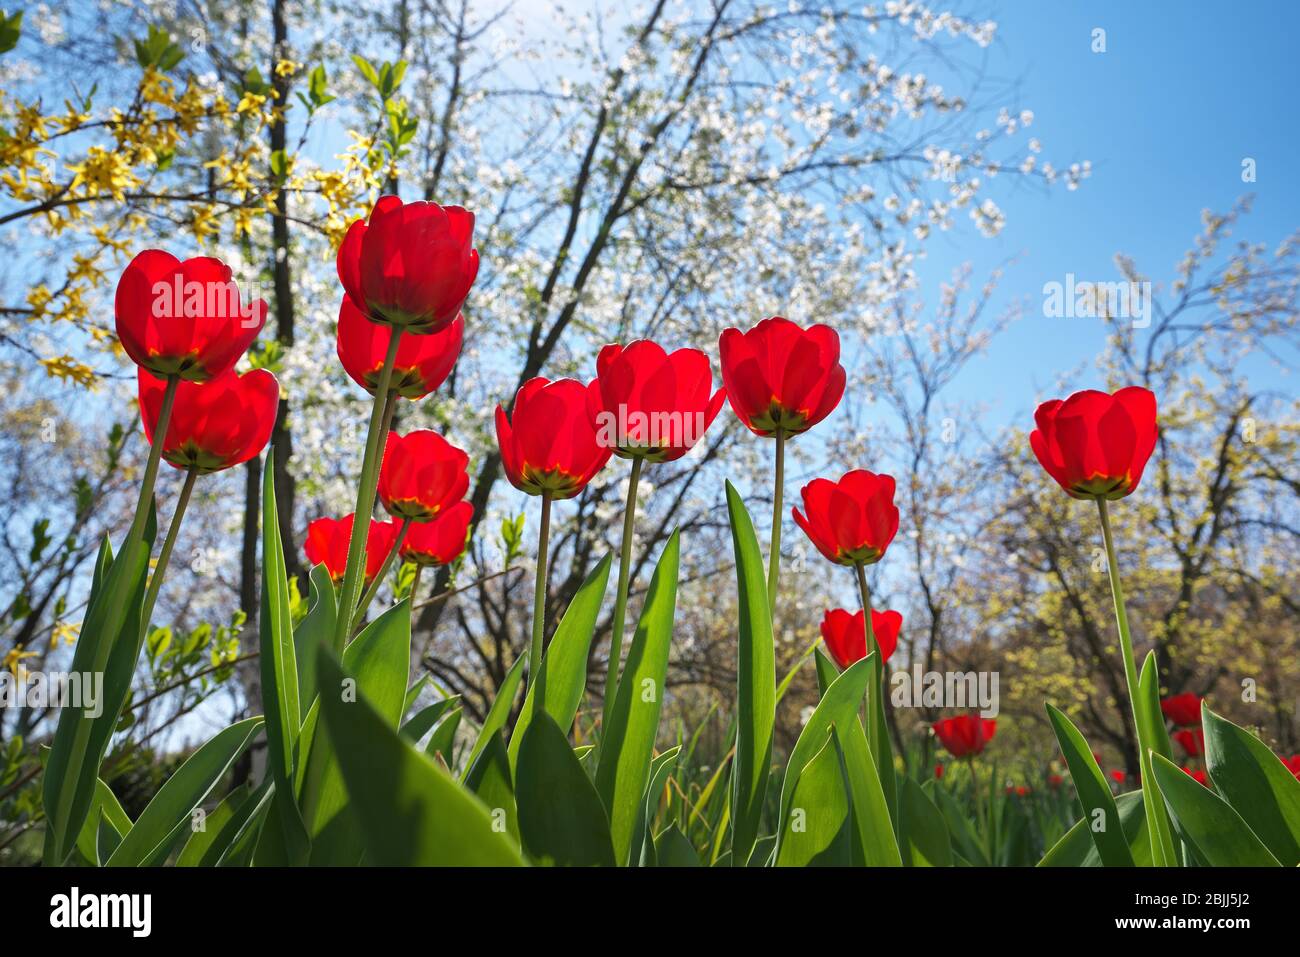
pixel 652 403
pixel 422 474
pixel 938 770
pixel 441 541
pixel 1183 709
pixel 851 521
pixel 1198 775
pixel 328 538
pixel 422 364
pixel 550 443
pixel 1192 740
pixel 1096 445
pixel 1118 776
pixel 412 265
pixel 183 318
pixel 779 376
pixel 1054 781
pixel 965 734
pixel 845 634
pixel 216 424
pixel 1017 790
pixel 1293 764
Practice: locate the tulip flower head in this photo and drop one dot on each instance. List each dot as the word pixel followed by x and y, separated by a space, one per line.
pixel 1198 775
pixel 549 444
pixel 421 474
pixel 845 634
pixel 780 377
pixel 183 318
pixel 1184 709
pixel 411 265
pixel 1096 445
pixel 851 521
pixel 440 541
pixel 422 363
pixel 1292 764
pixel 1192 741
pixel 328 538
pixel 215 424
pixel 1118 776
pixel 651 403
pixel 966 734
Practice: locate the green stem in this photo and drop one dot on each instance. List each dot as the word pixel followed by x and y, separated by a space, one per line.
pixel 145 502
pixel 354 573
pixel 1161 841
pixel 620 600
pixel 358 619
pixel 539 600
pixel 774 551
pixel 877 672
pixel 415 583
pixel 155 583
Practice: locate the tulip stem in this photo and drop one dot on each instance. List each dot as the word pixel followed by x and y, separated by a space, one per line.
pixel 774 552
pixel 353 574
pixel 539 602
pixel 620 600
pixel 1162 847
pixel 358 619
pixel 877 671
pixel 155 582
pixel 415 583
pixel 145 501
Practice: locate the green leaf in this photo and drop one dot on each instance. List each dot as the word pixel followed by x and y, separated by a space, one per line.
pixel 409 811
pixel 419 725
pixel 279 670
pixel 1076 847
pixel 109 644
pixel 489 778
pixel 755 684
pixel 838 707
pixel 627 745
pixel 499 713
pixel 443 739
pixel 202 841
pixel 1099 810
pixel 816 829
pixel 316 627
pixel 1152 731
pixel 10 30
pixel 563 674
pixel 561 817
pixel 167 816
pixel 1256 783
pixel 1205 821
pixel 106 825
pixel 379 658
pixel 672 849
pixel 876 844
pixel 660 769
pixel 924 841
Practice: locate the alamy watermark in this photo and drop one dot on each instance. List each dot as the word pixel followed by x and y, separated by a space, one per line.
pixel 1074 299
pixel 54 689
pixel 621 429
pixel 946 689
pixel 179 298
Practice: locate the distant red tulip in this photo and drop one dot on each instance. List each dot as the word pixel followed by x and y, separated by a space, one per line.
pixel 1200 776
pixel 653 403
pixel 422 474
pixel 183 318
pixel 965 734
pixel 1018 790
pixel 1096 445
pixel 411 265
pixel 845 634
pixel 779 376
pixel 1183 709
pixel 1192 740
pixel 1118 776
pixel 1054 781
pixel 549 444
pixel 441 541
pixel 328 538
pixel 423 362
pixel 851 521
pixel 938 770
pixel 215 424
pixel 1292 764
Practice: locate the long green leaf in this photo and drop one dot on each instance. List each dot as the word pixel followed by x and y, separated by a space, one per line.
pixel 924 838
pixel 628 742
pixel 379 658
pixel 165 818
pixel 489 778
pixel 499 713
pixel 409 811
pixel 817 829
pixel 1152 730
pixel 279 670
pixel 1207 822
pixel 563 674
pixel 420 724
pixel 1076 847
pixel 1099 810
pixel 318 626
pixel 755 684
pixel 201 842
pixel 876 844
pixel 1256 783
pixel 660 769
pixel 561 817
pixel 106 825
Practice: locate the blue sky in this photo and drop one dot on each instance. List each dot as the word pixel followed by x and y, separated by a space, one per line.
pixel 1182 94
